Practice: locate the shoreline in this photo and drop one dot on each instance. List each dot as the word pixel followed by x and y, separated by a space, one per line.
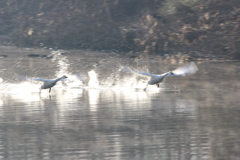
pixel 137 57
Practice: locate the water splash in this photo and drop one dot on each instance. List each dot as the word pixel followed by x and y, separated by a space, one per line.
pixel 63 64
pixel 93 79
pixel 61 61
pixel 110 75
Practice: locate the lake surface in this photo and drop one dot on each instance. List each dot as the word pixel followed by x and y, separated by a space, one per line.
pixel 101 111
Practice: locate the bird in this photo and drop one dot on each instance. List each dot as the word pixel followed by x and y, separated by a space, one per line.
pixel 49 83
pixel 188 69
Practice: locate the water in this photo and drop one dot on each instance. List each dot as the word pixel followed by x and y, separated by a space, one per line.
pixel 102 112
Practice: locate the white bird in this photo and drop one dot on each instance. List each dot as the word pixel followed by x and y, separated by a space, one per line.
pixel 49 83
pixel 188 69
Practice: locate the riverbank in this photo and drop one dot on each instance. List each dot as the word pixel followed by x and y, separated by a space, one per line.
pixel 183 30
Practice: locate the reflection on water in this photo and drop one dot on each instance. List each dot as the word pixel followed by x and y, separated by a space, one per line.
pixel 102 113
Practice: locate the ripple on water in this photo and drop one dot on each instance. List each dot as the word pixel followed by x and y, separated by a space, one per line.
pixel 195 117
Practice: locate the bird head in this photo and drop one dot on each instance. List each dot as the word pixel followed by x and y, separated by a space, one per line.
pixel 63 77
pixel 170 73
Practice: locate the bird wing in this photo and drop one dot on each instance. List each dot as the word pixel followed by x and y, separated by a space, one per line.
pixel 146 73
pixel 40 79
pixel 127 69
pixel 20 77
pixel 185 70
pixel 46 80
pixel 25 78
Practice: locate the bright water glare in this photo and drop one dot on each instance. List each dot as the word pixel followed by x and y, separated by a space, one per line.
pixel 101 111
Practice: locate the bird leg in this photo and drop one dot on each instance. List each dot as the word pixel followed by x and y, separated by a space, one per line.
pixel 157 85
pixel 49 90
pixel 145 87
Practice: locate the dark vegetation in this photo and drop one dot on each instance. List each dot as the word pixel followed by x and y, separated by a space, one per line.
pixel 197 29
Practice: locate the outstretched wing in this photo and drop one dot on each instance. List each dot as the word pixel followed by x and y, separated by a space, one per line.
pixel 25 78
pixel 185 70
pixel 127 69
pixel 22 78
pixel 146 73
pixel 47 80
pixel 40 79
